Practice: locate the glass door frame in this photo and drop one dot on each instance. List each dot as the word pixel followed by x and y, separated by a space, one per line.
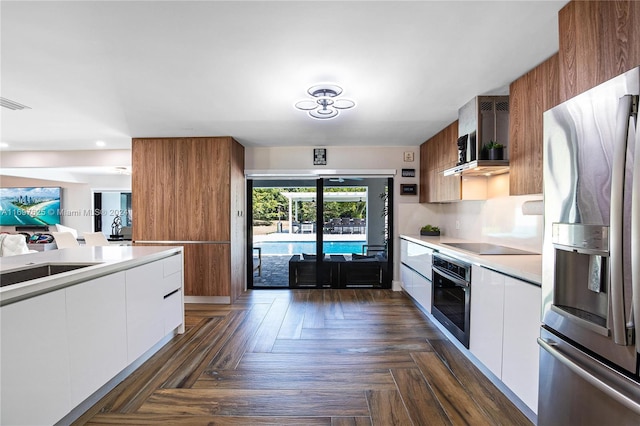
pixel 319 234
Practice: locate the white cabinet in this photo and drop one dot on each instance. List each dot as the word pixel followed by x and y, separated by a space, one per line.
pixel 415 272
pixel 144 295
pixel 35 387
pixel 505 325
pixel 155 304
pixel 520 353
pixel 173 299
pixel 416 256
pixel 96 323
pixel 487 317
pixel 406 278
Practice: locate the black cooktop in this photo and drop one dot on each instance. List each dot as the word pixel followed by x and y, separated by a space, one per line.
pixel 488 249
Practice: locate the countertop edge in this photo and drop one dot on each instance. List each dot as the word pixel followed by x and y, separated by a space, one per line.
pixel 22 291
pixel 524 267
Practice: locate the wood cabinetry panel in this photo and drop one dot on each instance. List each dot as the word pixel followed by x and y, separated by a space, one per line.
pixel 207 269
pixel 530 96
pixel 437 154
pixel 238 221
pixel 192 189
pixel 154 207
pixel 425 159
pixel 203 191
pixel 598 40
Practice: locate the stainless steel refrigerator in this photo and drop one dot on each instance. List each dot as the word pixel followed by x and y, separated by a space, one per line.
pixel 590 340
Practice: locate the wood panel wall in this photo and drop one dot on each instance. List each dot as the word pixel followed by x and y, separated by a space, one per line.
pixel 598 41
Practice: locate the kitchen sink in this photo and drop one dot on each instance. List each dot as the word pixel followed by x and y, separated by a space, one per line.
pixel 39 271
pixel 488 249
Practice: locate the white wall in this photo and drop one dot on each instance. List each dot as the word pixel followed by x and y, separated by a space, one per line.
pixel 353 158
pixel 499 219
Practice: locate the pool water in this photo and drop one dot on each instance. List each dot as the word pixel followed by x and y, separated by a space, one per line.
pixel 297 247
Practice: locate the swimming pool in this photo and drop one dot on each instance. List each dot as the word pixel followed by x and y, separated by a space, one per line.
pixel 297 247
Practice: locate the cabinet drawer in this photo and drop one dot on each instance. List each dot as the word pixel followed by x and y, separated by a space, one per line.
pixel 417 257
pixel 171 283
pixel 172 264
pixel 172 311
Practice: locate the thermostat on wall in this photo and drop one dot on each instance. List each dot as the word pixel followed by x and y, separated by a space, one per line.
pixel 409 189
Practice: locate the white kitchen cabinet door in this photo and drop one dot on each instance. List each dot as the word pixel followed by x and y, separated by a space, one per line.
pixel 422 291
pixel 406 277
pixel 97 327
pixel 520 363
pixel 417 286
pixel 34 371
pixel 487 318
pixel 145 320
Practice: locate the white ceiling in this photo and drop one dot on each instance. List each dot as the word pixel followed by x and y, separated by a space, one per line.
pixel 114 70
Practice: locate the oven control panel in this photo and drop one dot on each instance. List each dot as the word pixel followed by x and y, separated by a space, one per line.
pixel 454 267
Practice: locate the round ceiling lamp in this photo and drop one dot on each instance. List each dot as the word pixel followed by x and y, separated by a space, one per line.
pixel 325 103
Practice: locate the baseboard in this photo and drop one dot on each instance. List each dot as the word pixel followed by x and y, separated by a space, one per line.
pixel 220 300
pixel 396 285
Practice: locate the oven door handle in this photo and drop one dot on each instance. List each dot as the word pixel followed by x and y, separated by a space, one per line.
pixel 457 281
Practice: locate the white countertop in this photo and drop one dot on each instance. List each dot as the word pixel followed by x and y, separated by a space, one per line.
pixel 107 259
pixel 525 267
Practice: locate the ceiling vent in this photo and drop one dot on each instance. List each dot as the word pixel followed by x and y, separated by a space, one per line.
pixel 9 104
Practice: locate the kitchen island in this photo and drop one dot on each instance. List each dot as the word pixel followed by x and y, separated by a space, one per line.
pixel 70 337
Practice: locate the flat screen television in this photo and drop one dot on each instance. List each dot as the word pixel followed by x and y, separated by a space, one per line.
pixel 34 206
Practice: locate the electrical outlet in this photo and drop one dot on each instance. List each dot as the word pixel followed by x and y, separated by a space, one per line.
pixel 457 224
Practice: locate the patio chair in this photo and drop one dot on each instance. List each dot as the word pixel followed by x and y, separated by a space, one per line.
pixel 336 225
pixel 358 226
pixel 307 227
pixel 347 225
pixel 373 249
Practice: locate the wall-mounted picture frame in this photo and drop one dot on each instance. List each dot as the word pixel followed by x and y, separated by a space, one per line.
pixel 408 172
pixel 408 189
pixel 319 156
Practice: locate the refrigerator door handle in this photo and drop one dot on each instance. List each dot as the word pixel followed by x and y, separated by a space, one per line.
pixel 618 326
pixel 612 384
pixel 635 228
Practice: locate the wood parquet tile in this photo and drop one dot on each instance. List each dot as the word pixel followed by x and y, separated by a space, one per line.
pixel 307 357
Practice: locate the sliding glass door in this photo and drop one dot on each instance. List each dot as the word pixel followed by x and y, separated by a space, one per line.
pixel 323 233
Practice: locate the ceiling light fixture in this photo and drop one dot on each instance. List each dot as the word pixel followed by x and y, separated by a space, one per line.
pixel 4 145
pixel 100 143
pixel 325 103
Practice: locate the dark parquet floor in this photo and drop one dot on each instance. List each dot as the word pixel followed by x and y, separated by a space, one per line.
pixel 307 357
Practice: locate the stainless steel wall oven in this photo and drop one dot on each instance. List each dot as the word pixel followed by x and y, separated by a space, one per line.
pixel 452 295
